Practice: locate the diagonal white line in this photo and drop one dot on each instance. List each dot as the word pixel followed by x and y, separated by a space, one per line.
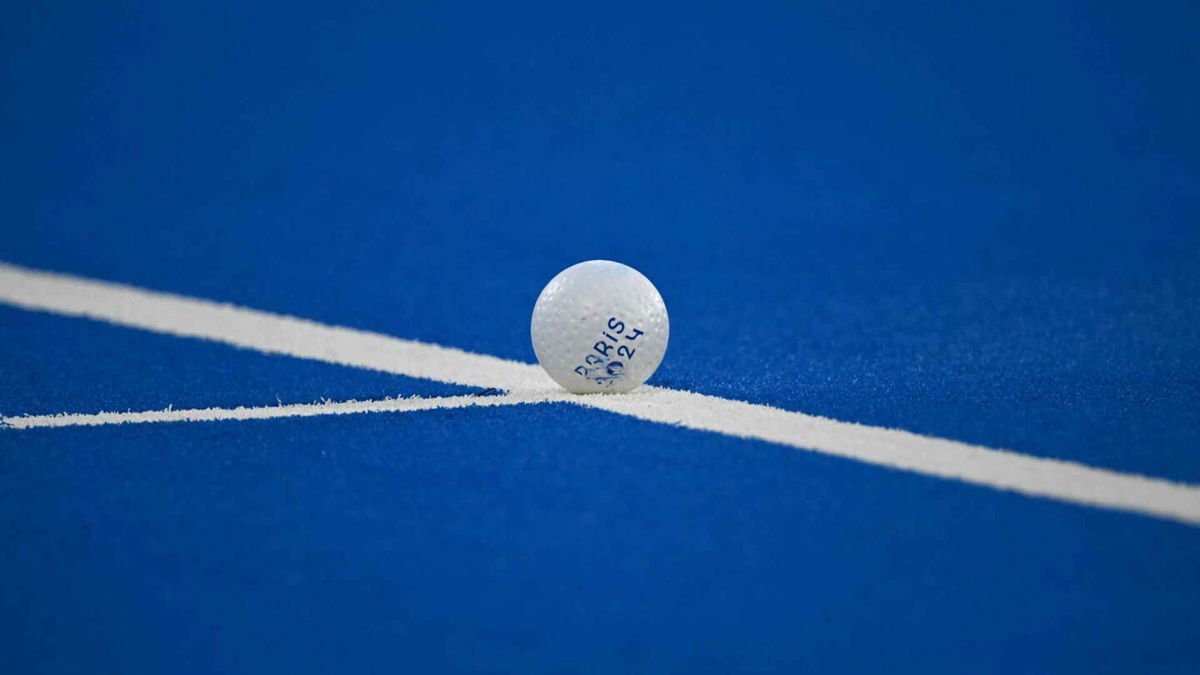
pixel 260 331
pixel 278 334
pixel 897 449
pixel 393 405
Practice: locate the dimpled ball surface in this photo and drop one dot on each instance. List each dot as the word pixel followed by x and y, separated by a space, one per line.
pixel 600 326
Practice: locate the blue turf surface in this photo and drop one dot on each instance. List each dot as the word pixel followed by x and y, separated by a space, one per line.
pixel 977 223
pixel 54 364
pixel 350 543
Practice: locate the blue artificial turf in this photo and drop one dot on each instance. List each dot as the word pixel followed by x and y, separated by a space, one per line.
pixel 51 364
pixel 971 221
pixel 582 541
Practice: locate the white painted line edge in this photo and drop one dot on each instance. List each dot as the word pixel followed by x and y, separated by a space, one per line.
pixel 278 334
pixel 392 405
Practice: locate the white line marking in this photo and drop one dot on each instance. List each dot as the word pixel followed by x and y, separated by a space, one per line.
pixel 260 331
pixel 897 449
pixel 394 405
pixel 278 334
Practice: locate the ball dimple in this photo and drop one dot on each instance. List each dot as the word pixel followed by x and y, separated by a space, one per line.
pixel 599 326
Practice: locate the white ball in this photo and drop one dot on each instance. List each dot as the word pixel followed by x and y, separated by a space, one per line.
pixel 599 326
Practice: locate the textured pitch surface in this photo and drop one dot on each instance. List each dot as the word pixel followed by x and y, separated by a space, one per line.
pixel 972 221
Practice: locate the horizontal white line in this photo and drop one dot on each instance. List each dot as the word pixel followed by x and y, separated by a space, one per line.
pixel 278 334
pixel 393 405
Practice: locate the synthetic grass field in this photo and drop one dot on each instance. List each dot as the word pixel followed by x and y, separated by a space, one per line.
pixel 931 402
